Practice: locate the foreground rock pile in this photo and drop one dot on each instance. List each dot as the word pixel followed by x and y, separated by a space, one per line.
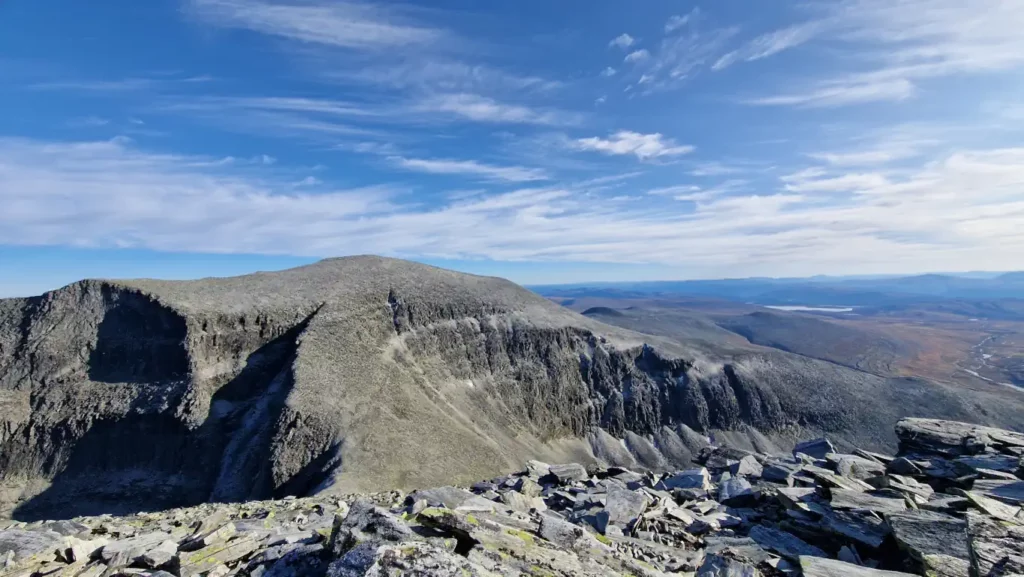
pixel 949 504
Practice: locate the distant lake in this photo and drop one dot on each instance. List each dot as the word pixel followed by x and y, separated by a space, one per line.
pixel 800 308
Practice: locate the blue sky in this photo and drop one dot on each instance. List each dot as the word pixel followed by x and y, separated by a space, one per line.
pixel 541 141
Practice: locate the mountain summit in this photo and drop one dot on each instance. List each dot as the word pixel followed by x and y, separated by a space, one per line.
pixel 366 373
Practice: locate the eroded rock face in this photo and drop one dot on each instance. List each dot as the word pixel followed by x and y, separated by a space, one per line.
pixel 364 373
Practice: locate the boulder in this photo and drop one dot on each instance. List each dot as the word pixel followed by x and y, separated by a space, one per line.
pixel 689 479
pixel 737 492
pixel 747 467
pixel 569 472
pixel 817 448
pixel 21 545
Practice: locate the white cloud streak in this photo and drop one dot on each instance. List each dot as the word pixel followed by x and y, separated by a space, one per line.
pixel 483 109
pixel 899 43
pixel 343 24
pixel 843 92
pixel 892 148
pixel 625 142
pixel 470 168
pixel 676 22
pixel 434 73
pixel 770 44
pixel 686 48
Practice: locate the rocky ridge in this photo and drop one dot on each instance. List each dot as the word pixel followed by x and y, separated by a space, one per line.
pixel 362 374
pixel 948 504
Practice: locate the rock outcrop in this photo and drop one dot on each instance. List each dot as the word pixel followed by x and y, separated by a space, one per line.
pixel 824 518
pixel 362 374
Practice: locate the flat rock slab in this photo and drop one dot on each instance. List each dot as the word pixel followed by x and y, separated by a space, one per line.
pixel 27 544
pixel 1004 490
pixel 783 543
pixel 790 496
pixel 125 552
pixel 996 549
pixel 818 567
pixel 938 542
pixel 860 501
pixel 719 566
pixel 909 486
pixel 879 457
pixel 453 498
pixel 208 558
pixel 951 438
pixel 994 508
pixel 945 504
pixel 856 467
pixel 862 528
pixel 830 479
pixel 1004 463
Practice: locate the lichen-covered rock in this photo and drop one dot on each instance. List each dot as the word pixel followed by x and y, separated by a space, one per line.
pixel 613 522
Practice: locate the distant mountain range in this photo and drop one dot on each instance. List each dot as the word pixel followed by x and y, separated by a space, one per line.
pixel 814 291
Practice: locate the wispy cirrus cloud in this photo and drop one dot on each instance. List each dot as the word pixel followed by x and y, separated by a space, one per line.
pixel 677 21
pixel 716 169
pixel 345 24
pixel 770 44
pixel 848 182
pixel 899 43
pixel 625 142
pixel 113 194
pixel 299 117
pixel 483 109
pixel 851 90
pixel 687 47
pixel 469 168
pixel 222 104
pixel 88 122
pixel 120 85
pixel 434 73
pixel 891 148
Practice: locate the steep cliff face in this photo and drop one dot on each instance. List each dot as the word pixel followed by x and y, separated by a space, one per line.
pixel 366 373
